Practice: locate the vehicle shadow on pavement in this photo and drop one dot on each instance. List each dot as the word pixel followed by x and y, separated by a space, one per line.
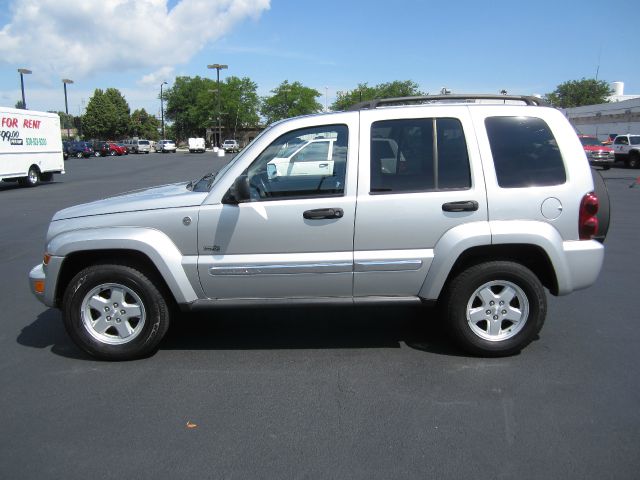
pixel 48 331
pixel 274 328
pixel 310 328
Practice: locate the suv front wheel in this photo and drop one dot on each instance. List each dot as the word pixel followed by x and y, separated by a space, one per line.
pixel 495 308
pixel 115 312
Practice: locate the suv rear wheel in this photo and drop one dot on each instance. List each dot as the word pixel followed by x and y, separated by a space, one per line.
pixel 115 312
pixel 495 308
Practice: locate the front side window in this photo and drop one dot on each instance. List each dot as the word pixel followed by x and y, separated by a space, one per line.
pixel 418 155
pixel 310 162
pixel 635 140
pixel 621 141
pixel 525 152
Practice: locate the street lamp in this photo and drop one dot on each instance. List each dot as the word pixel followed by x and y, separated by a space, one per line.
pixel 23 71
pixel 66 105
pixel 162 107
pixel 218 67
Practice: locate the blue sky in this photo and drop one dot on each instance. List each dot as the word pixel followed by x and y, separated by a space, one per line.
pixel 467 46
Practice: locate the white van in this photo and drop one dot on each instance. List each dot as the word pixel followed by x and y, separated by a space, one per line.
pixel 30 146
pixel 196 145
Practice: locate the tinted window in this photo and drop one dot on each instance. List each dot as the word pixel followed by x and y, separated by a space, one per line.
pixel 525 153
pixel 417 155
pixel 298 165
pixel 635 140
pixel 621 141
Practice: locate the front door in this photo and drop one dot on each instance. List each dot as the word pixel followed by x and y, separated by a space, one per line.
pixel 294 239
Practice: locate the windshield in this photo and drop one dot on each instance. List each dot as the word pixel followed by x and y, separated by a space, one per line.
pixel 210 179
pixel 590 141
pixel 143 142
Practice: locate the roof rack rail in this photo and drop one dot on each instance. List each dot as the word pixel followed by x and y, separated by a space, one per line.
pixel 372 104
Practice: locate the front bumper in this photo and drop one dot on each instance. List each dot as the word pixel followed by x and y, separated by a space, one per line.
pixel 43 280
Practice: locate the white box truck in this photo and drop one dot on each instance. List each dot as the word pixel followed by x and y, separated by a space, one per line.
pixel 196 145
pixel 30 146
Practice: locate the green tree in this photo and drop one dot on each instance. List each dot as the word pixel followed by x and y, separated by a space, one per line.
pixel 240 105
pixel 144 125
pixel 290 100
pixel 190 106
pixel 575 93
pixel 19 105
pixel 363 92
pixel 107 115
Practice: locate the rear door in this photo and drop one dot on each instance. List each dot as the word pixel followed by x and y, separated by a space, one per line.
pixel 420 177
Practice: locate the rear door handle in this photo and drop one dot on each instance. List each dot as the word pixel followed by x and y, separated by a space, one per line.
pixel 464 206
pixel 321 213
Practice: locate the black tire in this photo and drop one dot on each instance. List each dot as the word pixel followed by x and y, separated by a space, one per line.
pixel 32 179
pixel 105 281
pixel 604 209
pixel 112 153
pixel 634 160
pixel 46 177
pixel 79 155
pixel 529 299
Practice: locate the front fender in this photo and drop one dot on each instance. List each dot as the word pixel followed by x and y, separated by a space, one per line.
pixel 153 243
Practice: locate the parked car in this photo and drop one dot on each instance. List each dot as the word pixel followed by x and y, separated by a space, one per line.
pixel 597 153
pixel 166 146
pixel 137 145
pixel 101 149
pixel 478 207
pixel 125 150
pixel 115 149
pixel 627 149
pixel 230 146
pixel 80 149
pixel 196 145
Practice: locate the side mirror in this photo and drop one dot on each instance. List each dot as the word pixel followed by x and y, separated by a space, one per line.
pixel 238 192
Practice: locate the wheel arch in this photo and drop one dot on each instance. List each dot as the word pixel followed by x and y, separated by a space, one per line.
pixel 531 256
pixel 147 248
pixel 79 260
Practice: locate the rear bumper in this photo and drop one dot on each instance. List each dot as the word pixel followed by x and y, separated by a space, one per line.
pixel 584 262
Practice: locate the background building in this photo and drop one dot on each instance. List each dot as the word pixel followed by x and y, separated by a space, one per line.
pixel 621 115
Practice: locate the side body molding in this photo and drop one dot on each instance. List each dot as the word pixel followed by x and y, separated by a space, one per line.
pixel 157 246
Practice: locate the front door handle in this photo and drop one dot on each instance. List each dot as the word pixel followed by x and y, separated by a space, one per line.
pixel 464 206
pixel 321 213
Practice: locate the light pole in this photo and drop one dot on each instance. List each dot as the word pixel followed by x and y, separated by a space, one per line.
pixel 162 108
pixel 326 102
pixel 66 105
pixel 218 67
pixel 23 71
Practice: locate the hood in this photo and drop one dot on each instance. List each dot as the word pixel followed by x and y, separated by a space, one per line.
pixel 167 196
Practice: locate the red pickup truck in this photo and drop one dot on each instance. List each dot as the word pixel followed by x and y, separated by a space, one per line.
pixel 597 154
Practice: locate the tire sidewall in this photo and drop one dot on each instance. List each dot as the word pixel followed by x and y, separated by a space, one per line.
pixel 463 287
pixel 156 321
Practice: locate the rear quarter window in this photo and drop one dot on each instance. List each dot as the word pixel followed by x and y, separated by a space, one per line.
pixel 525 152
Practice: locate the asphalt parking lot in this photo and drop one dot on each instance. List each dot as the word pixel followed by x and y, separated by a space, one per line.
pixel 314 393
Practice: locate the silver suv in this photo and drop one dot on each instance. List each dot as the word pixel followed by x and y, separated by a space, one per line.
pixel 477 205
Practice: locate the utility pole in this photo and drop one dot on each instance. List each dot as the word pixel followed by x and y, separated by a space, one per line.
pixel 218 67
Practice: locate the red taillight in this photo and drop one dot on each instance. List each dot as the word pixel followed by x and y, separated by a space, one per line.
pixel 588 222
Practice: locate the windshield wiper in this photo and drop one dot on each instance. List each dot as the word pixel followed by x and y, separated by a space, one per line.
pixel 209 177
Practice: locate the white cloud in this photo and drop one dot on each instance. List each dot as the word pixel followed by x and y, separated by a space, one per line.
pixel 73 38
pixel 157 77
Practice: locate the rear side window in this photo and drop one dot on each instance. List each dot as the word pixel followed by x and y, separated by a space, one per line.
pixel 418 155
pixel 525 152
